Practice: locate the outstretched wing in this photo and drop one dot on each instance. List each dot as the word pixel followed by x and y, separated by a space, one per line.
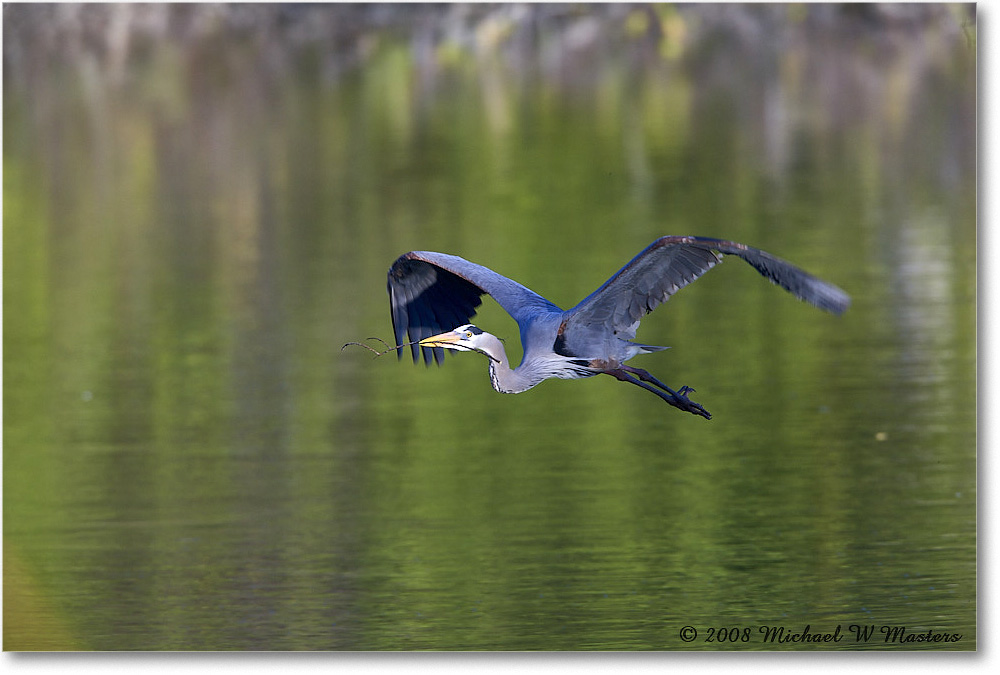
pixel 431 293
pixel 671 263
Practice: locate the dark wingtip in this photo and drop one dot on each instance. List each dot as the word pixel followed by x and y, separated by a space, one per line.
pixel 826 296
pixel 793 279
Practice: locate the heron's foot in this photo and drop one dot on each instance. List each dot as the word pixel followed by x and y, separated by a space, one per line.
pixel 680 400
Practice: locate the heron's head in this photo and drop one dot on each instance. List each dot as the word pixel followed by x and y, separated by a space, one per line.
pixel 467 338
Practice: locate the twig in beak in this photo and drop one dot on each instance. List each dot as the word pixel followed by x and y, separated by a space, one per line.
pixel 388 348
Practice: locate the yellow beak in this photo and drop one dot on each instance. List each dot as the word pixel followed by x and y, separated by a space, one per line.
pixel 441 340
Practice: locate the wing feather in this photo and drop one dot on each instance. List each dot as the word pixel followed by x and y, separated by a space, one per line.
pixel 668 265
pixel 431 293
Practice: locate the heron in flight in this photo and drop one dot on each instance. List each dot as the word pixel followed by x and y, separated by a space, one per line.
pixel 434 295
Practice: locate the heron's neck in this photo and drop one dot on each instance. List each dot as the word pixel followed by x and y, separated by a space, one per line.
pixel 505 380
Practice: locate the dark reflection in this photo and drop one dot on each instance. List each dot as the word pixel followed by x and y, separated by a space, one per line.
pixel 200 207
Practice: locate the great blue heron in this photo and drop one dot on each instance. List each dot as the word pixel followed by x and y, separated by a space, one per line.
pixel 433 296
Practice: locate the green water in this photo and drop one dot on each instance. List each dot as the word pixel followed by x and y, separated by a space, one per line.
pixel 192 462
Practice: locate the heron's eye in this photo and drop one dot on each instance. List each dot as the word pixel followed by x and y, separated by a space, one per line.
pixel 468 335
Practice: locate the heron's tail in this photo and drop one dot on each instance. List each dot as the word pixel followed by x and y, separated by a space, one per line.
pixel 648 349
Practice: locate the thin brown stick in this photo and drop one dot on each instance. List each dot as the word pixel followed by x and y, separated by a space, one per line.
pixel 388 347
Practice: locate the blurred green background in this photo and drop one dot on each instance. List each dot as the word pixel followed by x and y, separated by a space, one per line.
pixel 201 204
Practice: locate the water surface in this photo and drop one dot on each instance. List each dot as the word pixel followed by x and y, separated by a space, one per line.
pixel 191 462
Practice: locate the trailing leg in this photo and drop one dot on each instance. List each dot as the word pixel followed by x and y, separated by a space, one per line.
pixel 678 399
pixel 645 376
